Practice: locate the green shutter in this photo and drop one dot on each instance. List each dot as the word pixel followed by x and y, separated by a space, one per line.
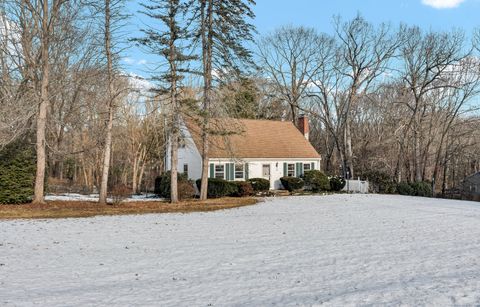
pixel 212 170
pixel 313 166
pixel 227 171
pixel 246 170
pixel 299 170
pixel 285 169
pixel 232 171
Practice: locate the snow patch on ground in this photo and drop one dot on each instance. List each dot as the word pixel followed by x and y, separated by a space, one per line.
pixel 334 250
pixel 94 197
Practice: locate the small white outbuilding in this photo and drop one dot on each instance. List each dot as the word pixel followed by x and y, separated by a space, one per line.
pixel 240 149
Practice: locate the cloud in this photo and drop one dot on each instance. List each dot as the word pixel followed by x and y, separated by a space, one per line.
pixel 142 62
pixel 442 4
pixel 128 60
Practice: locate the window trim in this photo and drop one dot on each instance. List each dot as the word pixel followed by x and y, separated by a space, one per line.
pixel 242 171
pixel 293 170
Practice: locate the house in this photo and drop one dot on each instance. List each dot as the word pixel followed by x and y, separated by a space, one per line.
pixel 471 187
pixel 240 149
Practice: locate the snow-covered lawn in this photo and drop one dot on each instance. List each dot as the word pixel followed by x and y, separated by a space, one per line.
pixel 333 250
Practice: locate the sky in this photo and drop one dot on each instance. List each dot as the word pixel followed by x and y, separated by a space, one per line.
pixel 271 14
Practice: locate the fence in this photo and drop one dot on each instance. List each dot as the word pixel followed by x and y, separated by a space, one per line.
pixel 356 186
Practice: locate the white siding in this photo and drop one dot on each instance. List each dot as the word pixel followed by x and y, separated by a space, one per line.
pixel 188 154
pixel 255 168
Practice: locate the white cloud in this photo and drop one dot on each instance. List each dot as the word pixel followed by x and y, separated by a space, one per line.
pixel 129 60
pixel 442 4
pixel 142 62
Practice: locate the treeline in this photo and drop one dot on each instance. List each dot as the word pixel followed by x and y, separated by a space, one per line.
pixel 393 99
pixel 397 100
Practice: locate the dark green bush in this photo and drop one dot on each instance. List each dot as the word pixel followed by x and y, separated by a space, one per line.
pixel 380 182
pixel 337 183
pixel 259 184
pixel 404 188
pixel 422 189
pixel 244 188
pixel 17 172
pixel 184 186
pixel 292 183
pixel 316 181
pixel 219 187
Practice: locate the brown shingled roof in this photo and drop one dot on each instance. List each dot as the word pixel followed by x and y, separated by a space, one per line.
pixel 248 138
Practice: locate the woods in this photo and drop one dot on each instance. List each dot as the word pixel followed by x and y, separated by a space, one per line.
pixel 394 99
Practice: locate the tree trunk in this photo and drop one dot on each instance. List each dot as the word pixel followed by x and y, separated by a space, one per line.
pixel 108 134
pixel 207 40
pixel 348 150
pixel 174 163
pixel 38 197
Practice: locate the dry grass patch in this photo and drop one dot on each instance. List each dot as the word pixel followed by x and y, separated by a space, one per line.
pixel 66 209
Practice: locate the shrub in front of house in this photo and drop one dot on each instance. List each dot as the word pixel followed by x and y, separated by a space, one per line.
pixel 17 172
pixel 404 188
pixel 422 189
pixel 219 187
pixel 316 181
pixel 184 186
pixel 337 183
pixel 292 183
pixel 244 188
pixel 260 184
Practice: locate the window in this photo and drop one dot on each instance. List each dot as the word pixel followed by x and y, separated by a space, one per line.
pixel 306 167
pixel 239 171
pixel 291 170
pixel 185 168
pixel 220 171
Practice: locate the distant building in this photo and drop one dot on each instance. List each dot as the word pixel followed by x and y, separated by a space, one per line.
pixel 471 187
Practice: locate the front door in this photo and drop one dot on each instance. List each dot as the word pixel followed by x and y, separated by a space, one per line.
pixel 266 171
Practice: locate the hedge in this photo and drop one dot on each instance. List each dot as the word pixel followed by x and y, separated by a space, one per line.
pixel 184 186
pixel 422 189
pixel 404 188
pixel 380 182
pixel 316 181
pixel 219 187
pixel 259 184
pixel 17 172
pixel 244 188
pixel 337 183
pixel 292 183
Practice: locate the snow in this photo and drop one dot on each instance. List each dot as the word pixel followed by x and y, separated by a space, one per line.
pixel 94 197
pixel 315 250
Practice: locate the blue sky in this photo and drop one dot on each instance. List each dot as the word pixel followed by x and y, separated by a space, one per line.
pixel 270 14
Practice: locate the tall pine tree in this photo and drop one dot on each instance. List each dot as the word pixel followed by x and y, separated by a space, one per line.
pixel 170 41
pixel 222 27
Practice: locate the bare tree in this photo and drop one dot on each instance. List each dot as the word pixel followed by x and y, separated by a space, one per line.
pixel 365 53
pixel 426 59
pixel 112 17
pixel 288 57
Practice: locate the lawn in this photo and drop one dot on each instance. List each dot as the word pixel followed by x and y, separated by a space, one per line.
pixel 334 250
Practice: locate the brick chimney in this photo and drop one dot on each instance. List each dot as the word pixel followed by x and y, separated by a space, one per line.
pixel 302 125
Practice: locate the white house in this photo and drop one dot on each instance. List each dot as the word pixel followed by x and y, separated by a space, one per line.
pixel 240 149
